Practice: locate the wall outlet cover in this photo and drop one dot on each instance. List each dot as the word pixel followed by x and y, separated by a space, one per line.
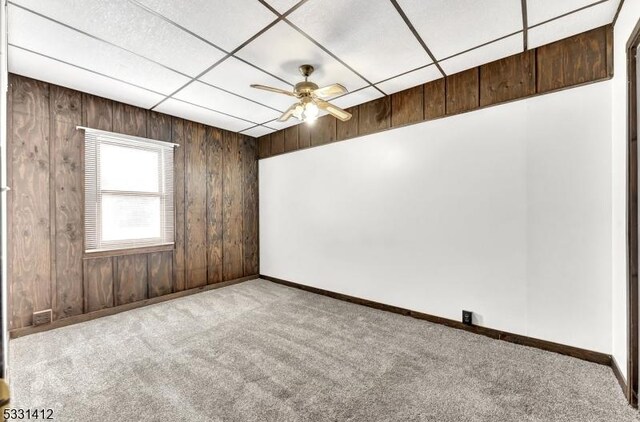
pixel 467 317
pixel 42 317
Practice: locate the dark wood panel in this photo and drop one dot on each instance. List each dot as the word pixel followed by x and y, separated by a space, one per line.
pixel 304 135
pixel 159 126
pixel 575 60
pixel 407 106
pixel 131 281
pixel 214 205
pixel 179 167
pixel 508 79
pixel 129 120
pixel 97 112
pixel 250 208
pixel 463 91
pixel 67 141
pixel 264 146
pixel 291 138
pixel 30 253
pixel 374 116
pixel 196 207
pixel 98 284
pixel 435 99
pixel 348 129
pixel 232 207
pixel 277 142
pixel 323 130
pixel 160 267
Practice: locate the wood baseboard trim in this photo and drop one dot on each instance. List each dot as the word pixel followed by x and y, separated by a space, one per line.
pixel 618 373
pixel 19 332
pixel 576 352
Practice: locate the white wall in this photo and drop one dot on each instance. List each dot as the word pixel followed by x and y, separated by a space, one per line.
pixel 504 211
pixel 627 20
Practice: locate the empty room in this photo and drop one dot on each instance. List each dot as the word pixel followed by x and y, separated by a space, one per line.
pixel 319 210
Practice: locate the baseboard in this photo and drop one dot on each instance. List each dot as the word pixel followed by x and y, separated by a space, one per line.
pixel 576 352
pixel 19 332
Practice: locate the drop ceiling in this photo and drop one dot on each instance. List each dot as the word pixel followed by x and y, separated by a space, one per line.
pixel 195 59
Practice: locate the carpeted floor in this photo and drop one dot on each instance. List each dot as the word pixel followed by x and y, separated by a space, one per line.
pixel 258 351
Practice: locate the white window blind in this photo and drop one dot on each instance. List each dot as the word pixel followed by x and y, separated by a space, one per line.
pixel 128 191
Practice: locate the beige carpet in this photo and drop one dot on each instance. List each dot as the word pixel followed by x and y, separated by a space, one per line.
pixel 258 351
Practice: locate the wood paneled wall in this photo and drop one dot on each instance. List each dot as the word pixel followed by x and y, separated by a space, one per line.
pixel 216 199
pixel 584 58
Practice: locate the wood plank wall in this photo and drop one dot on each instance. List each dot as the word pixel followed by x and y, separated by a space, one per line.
pixel 216 199
pixel 581 59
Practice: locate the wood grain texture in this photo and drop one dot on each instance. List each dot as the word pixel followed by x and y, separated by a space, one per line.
pixel 374 116
pixel 131 281
pixel 159 126
pixel 264 146
pixel 129 120
pixel 348 129
pixel 196 207
pixel 67 142
pixel 98 283
pixel 250 206
pixel 435 99
pixel 575 60
pixel 323 130
pixel 277 142
pixel 160 268
pixel 232 207
pixel 463 91
pixel 508 79
pixel 179 166
pixel 214 205
pixel 407 106
pixel 97 112
pixel 291 138
pixel 30 243
pixel 304 135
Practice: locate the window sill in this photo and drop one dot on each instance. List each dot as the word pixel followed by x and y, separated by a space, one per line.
pixel 129 251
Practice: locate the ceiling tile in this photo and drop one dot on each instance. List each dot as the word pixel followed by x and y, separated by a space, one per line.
pixel 274 124
pixel 358 97
pixel 126 25
pixel 542 10
pixel 70 46
pixel 257 131
pixel 234 75
pixel 575 23
pixel 281 49
pixel 192 112
pixel 411 79
pixel 282 5
pixel 486 54
pixel 450 27
pixel 368 35
pixel 225 23
pixel 213 98
pixel 45 69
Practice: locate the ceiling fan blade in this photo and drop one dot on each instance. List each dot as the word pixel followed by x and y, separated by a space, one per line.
pixel 330 91
pixel 271 89
pixel 287 114
pixel 333 110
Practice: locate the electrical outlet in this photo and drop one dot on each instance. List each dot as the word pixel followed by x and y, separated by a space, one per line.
pixel 467 317
pixel 42 317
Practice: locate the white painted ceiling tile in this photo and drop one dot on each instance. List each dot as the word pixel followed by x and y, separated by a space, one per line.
pixel 202 115
pixel 543 10
pixel 575 23
pixel 213 98
pixel 282 5
pixel 234 75
pixel 257 131
pixel 225 23
pixel 67 45
pixel 35 66
pixel 368 35
pixel 274 124
pixel 450 27
pixel 410 79
pixel 281 49
pixel 490 52
pixel 124 24
pixel 358 97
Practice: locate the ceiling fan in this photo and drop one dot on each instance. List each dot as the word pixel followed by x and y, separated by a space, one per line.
pixel 311 98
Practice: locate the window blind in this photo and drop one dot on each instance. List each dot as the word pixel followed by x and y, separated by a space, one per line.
pixel 128 191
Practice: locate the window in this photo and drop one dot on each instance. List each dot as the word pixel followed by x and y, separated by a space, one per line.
pixel 128 191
